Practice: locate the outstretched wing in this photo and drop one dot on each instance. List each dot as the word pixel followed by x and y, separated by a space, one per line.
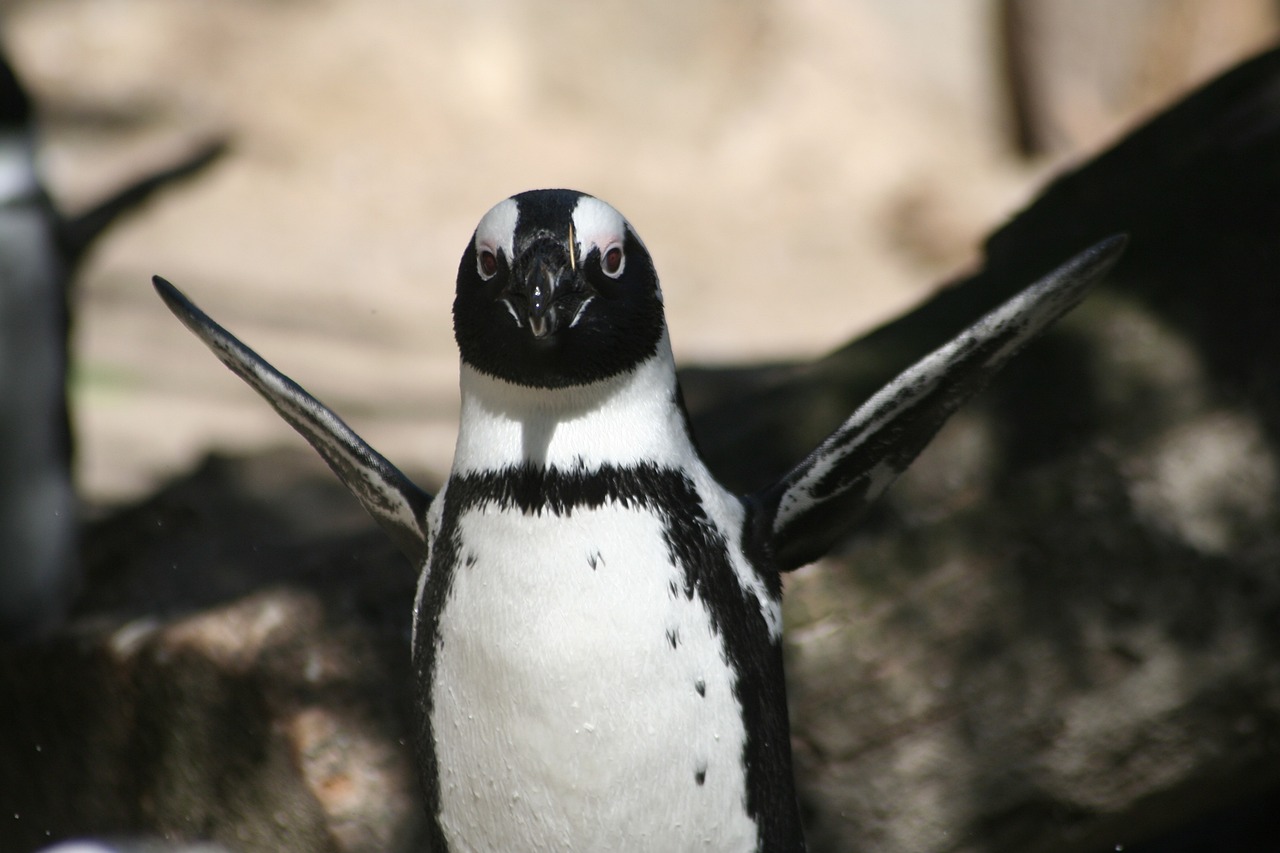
pixel 394 501
pixel 802 515
pixel 77 233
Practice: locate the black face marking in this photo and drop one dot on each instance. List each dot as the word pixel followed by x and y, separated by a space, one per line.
pixel 697 546
pixel 548 319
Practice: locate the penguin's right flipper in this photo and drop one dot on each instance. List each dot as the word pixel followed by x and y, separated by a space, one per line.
pixel 395 502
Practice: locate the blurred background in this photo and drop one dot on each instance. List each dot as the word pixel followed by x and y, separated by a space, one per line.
pixel 800 170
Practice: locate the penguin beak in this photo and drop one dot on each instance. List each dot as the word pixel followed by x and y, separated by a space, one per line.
pixel 541 289
pixel 545 281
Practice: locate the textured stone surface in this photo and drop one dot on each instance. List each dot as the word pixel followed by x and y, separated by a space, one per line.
pixel 242 688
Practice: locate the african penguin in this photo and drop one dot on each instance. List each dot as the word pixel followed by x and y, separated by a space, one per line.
pixel 597 630
pixel 40 250
pixel 38 514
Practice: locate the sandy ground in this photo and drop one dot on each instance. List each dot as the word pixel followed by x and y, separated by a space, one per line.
pixel 800 171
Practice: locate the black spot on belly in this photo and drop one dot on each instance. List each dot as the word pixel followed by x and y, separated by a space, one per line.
pixel 701 687
pixel 700 775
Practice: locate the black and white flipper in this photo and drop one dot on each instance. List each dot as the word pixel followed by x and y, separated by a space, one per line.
pixel 800 517
pixel 395 502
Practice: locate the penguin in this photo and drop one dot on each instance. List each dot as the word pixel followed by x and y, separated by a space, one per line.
pixel 596 647
pixel 40 251
pixel 38 514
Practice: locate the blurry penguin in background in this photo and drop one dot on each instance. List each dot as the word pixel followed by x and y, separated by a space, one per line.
pixel 40 250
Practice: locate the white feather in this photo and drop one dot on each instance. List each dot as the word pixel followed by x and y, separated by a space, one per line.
pixel 623 420
pixel 497 229
pixel 563 717
pixel 18 179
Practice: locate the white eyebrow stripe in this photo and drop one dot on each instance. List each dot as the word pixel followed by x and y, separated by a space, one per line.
pixel 497 229
pixel 597 225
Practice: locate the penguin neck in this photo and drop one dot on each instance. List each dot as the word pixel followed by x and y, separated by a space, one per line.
pixel 18 179
pixel 625 420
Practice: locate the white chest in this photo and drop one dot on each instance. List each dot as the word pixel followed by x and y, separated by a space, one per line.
pixel 581 699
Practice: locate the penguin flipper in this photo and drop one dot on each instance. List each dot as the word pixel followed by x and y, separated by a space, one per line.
pixel 801 516
pixel 77 233
pixel 395 502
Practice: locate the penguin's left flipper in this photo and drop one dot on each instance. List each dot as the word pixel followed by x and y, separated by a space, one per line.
pixel 800 517
pixel 395 502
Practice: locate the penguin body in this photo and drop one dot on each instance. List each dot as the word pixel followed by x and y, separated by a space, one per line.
pixel 578 630
pixel 38 513
pixel 597 630
pixel 579 693
pixel 40 250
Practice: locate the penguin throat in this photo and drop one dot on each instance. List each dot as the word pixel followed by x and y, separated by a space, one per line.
pixel 627 419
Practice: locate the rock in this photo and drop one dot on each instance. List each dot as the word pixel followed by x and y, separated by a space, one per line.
pixel 235 677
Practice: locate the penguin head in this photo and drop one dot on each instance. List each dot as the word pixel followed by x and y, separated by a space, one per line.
pixel 15 106
pixel 556 289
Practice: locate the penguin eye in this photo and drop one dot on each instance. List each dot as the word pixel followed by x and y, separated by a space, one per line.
pixel 487 264
pixel 612 261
